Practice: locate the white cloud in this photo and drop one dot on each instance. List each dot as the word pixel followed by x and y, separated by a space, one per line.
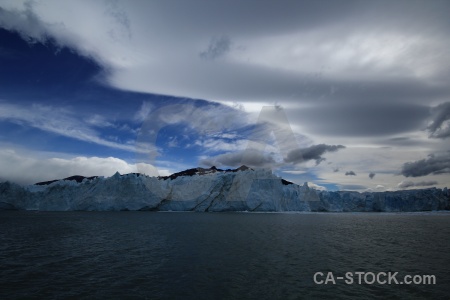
pixel 226 135
pixel 207 121
pixel 353 55
pixel 98 121
pixel 61 121
pixel 295 172
pixel 221 145
pixel 143 112
pixel 379 187
pixel 27 167
pixel 316 186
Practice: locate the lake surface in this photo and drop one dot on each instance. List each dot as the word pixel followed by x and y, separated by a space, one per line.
pixel 150 255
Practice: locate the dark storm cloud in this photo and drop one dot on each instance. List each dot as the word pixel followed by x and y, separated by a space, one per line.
pixel 314 152
pixel 406 184
pixel 352 187
pixel 250 158
pixel 218 47
pixel 350 173
pixel 440 126
pixel 258 159
pixel 371 175
pixel 363 119
pixel 434 164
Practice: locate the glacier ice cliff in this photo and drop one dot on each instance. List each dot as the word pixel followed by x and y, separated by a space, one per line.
pixel 212 190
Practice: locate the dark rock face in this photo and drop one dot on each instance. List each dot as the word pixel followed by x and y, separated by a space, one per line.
pixel 202 171
pixel 285 182
pixel 76 178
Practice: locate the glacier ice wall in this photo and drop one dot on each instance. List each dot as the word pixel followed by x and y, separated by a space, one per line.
pixel 249 190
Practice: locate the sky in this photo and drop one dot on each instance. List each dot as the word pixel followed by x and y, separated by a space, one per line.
pixel 345 95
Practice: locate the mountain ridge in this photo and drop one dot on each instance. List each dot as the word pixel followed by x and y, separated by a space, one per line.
pixel 187 172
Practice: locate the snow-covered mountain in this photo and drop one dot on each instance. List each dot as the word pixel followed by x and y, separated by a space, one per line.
pixel 199 189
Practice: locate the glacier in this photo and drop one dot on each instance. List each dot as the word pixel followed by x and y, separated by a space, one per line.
pixel 210 190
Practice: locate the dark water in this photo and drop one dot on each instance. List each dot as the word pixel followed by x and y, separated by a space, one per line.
pixel 218 255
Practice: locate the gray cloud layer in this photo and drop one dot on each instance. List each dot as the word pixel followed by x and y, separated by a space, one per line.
pixel 434 164
pixel 440 126
pixel 218 47
pixel 407 183
pixel 314 152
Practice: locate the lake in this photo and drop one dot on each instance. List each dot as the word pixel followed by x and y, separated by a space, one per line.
pixel 155 255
